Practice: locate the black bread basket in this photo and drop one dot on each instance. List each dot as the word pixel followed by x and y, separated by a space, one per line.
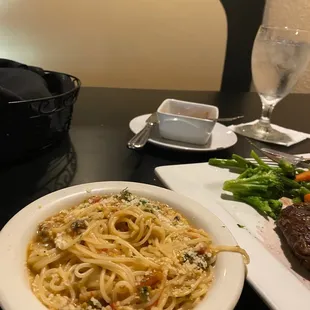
pixel 29 126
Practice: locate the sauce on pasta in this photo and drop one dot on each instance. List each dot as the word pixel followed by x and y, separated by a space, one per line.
pixel 121 252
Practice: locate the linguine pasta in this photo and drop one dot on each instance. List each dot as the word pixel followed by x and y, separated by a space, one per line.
pixel 121 252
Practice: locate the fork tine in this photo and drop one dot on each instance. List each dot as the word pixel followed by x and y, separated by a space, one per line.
pixel 255 146
pixel 274 159
pixel 266 160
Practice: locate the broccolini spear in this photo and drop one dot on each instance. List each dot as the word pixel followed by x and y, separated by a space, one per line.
pixel 224 163
pixel 259 160
pixel 242 161
pixel 269 207
pixel 260 190
pixel 264 184
pixel 288 168
pixel 261 185
pixel 235 162
pixel 298 193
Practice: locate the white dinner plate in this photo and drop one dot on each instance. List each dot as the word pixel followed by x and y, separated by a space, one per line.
pixel 222 137
pixel 273 271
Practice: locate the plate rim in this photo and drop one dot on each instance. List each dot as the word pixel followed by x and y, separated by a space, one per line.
pixel 185 148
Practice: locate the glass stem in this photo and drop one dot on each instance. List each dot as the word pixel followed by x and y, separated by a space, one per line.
pixel 268 107
pixel 266 115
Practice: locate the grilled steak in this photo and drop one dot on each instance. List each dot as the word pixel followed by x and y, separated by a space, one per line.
pixel 294 223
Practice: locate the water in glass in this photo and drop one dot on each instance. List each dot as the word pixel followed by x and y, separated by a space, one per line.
pixel 279 57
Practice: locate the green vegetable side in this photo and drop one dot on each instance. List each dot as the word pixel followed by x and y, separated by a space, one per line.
pixel 261 186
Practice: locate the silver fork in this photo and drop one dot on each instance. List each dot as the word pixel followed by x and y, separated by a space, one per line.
pixel 276 156
pixel 226 119
pixel 139 140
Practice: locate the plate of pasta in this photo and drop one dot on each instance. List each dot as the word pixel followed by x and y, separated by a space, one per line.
pixel 118 246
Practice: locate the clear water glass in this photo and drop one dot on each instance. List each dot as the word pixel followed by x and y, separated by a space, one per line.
pixel 279 57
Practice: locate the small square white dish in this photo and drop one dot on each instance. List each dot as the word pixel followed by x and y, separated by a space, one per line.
pixel 186 121
pixel 221 138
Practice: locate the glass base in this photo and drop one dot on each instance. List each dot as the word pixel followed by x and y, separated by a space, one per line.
pixel 265 133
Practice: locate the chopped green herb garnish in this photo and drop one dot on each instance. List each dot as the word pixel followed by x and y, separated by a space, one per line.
pixel 144 293
pixel 200 260
pixel 78 226
pixel 125 194
pixel 203 265
pixel 148 209
pixel 240 226
pixel 187 258
pixel 95 304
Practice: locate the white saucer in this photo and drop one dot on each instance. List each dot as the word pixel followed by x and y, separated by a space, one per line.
pixel 222 137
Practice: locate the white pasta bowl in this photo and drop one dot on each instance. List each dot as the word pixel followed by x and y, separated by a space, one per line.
pixel 15 291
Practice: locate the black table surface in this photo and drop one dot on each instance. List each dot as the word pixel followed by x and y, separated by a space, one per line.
pixel 96 147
